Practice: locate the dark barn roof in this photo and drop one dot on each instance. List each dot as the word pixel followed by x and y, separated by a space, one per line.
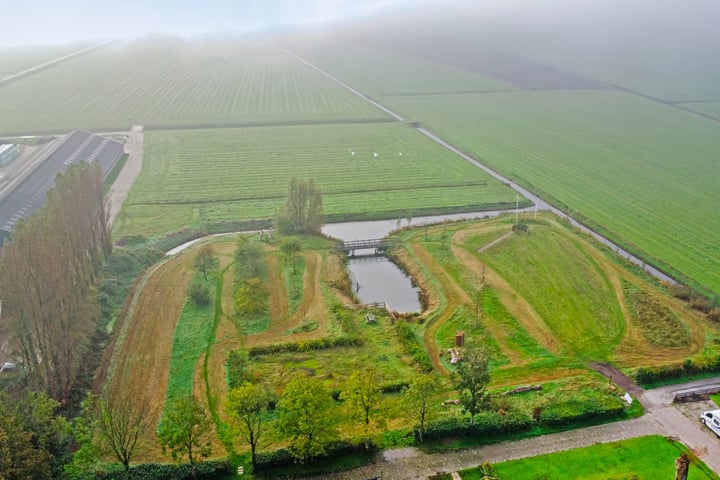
pixel 29 195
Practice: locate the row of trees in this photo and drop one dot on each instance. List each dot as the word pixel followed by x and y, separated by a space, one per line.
pixel 308 415
pixel 47 273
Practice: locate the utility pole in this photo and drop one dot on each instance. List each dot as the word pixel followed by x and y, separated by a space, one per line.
pixel 517 204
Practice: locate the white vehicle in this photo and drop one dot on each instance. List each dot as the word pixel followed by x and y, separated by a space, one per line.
pixel 7 367
pixel 711 418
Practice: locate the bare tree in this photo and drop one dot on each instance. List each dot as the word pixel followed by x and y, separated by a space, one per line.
pixel 121 422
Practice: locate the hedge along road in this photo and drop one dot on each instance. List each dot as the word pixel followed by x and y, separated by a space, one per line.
pixel 661 418
pixel 540 204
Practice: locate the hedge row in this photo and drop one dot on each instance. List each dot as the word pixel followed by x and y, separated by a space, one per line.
pixel 410 345
pixel 306 346
pixel 267 460
pixel 486 423
pixel 570 412
pixel 155 471
pixel 649 375
pixel 555 414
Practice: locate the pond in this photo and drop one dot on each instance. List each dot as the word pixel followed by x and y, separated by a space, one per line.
pixel 374 277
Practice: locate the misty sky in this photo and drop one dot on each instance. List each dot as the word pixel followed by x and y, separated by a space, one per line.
pixel 58 21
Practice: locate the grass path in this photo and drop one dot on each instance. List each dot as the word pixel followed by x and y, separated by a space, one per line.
pixel 515 304
pixel 311 308
pixel 455 296
pixel 144 357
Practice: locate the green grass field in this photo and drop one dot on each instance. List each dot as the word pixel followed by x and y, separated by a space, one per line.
pixel 173 83
pixel 381 72
pixel 551 267
pixel 644 172
pixel 648 458
pixel 210 176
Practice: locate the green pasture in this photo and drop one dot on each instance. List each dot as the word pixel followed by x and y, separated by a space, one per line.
pixel 382 72
pixel 644 173
pixel 191 338
pixel 211 176
pixel 565 286
pixel 647 458
pixel 15 59
pixel 171 83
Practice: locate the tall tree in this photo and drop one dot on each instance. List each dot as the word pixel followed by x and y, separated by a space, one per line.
pixel 418 399
pixel 249 260
pixel 302 212
pixel 247 406
pixel 471 380
pixel 362 395
pixel 307 414
pixel 205 260
pixel 184 430
pixel 121 421
pixel 47 272
pixel 290 247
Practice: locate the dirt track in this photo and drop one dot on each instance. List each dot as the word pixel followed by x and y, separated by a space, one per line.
pixel 142 360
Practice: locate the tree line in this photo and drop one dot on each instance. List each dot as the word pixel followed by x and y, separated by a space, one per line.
pixel 47 276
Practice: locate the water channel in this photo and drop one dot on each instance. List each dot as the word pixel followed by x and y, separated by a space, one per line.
pixel 374 277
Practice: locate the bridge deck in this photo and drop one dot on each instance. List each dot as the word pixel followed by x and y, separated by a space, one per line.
pixel 376 244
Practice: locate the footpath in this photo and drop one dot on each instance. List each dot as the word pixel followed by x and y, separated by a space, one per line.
pixel 661 417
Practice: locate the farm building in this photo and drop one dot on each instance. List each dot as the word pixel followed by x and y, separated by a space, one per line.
pixel 8 153
pixel 29 194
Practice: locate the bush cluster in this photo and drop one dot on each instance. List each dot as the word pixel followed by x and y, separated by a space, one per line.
pixel 411 346
pixel 486 423
pixel 156 471
pixel 281 457
pixel 570 412
pixel 306 346
pixel 649 375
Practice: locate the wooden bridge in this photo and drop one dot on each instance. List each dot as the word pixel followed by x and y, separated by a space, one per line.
pixel 378 245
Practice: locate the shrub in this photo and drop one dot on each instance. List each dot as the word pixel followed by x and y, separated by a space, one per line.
pixel 569 412
pixel 486 424
pixel 156 471
pixel 410 345
pixel 699 365
pixel 305 346
pixel 199 293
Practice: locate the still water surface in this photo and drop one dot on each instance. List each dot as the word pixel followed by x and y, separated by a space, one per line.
pixel 376 278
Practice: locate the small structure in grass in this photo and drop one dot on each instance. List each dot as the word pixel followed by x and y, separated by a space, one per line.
pixel 370 318
pixel 455 356
pixel 460 339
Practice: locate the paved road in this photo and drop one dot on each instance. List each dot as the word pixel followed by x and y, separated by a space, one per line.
pixel 133 165
pixel 661 418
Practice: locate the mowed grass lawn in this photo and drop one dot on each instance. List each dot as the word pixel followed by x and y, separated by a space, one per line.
pixel 172 83
pixel 647 173
pixel 197 177
pixel 648 458
pixel 544 267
